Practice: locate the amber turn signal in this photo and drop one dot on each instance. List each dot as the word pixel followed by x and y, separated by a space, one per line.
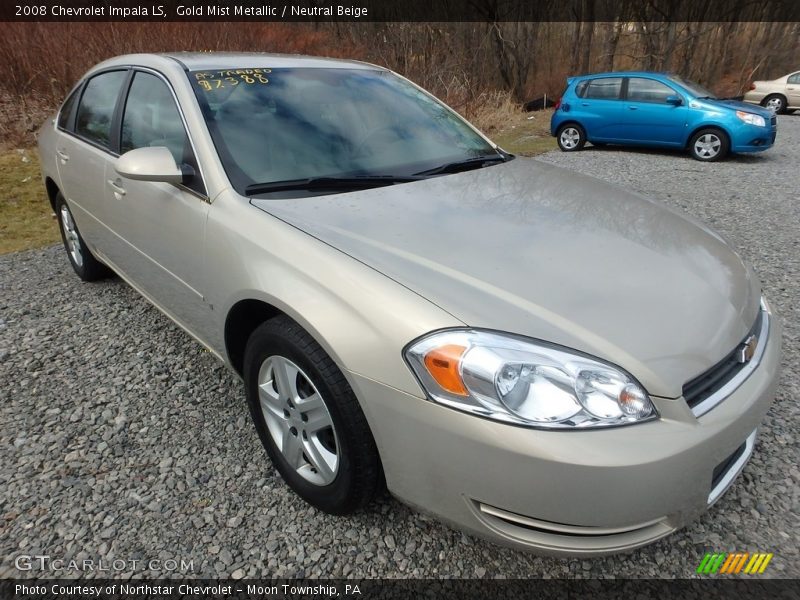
pixel 442 363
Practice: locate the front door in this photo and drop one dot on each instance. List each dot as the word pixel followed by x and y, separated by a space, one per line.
pixel 649 118
pixel 793 90
pixel 162 225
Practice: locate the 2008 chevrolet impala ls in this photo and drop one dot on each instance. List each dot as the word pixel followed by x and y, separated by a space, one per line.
pixel 532 355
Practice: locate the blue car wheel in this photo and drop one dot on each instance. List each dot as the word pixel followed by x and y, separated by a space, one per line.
pixel 709 145
pixel 571 137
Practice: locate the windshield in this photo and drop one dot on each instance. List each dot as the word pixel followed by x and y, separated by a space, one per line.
pixel 693 88
pixel 284 125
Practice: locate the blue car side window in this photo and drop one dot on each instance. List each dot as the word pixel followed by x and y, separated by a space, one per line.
pixel 648 90
pixel 605 88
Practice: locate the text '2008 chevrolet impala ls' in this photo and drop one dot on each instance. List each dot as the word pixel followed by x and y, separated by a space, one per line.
pixel 529 354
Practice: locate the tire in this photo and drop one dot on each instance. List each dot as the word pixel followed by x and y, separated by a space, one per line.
pixel 299 398
pixel 83 262
pixel 709 145
pixel 776 103
pixel 571 137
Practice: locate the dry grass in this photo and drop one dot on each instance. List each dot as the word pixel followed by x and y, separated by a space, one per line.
pixel 517 131
pixel 526 134
pixel 26 219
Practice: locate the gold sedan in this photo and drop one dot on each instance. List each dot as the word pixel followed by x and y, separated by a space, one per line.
pixel 779 95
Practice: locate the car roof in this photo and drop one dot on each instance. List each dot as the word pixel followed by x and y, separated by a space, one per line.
pixel 623 74
pixel 199 61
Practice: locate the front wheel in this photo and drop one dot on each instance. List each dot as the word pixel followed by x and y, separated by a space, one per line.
pixel 571 137
pixel 309 419
pixel 775 102
pixel 708 145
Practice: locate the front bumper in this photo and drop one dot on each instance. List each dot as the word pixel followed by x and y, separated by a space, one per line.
pixel 751 138
pixel 574 492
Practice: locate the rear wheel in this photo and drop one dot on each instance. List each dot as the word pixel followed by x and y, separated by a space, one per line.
pixel 775 102
pixel 83 262
pixel 571 137
pixel 309 419
pixel 708 145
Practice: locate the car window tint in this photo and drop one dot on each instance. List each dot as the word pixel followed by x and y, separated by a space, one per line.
pixel 151 118
pixel 605 88
pixel 96 108
pixel 648 90
pixel 580 89
pixel 794 78
pixel 66 109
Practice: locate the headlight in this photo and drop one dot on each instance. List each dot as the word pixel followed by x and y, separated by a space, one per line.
pixel 518 381
pixel 751 118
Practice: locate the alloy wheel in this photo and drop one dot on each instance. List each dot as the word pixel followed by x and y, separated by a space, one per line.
pixel 71 235
pixel 570 138
pixel 298 420
pixel 708 145
pixel 774 104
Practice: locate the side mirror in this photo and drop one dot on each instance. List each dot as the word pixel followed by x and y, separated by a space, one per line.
pixel 153 163
pixel 674 100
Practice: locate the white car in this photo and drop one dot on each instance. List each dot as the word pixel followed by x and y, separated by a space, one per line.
pixel 778 95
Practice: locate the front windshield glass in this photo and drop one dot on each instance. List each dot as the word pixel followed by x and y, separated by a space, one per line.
pixel 274 125
pixel 693 88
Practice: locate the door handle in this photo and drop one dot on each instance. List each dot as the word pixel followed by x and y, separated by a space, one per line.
pixel 584 104
pixel 116 187
pixel 633 108
pixel 62 155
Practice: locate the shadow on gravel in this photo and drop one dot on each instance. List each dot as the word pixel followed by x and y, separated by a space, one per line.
pixel 750 158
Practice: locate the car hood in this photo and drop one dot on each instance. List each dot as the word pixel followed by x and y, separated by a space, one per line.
pixel 737 105
pixel 530 248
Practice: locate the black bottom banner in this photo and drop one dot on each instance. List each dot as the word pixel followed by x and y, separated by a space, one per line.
pixel 457 589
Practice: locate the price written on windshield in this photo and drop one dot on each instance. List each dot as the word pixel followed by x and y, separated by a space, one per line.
pixel 215 80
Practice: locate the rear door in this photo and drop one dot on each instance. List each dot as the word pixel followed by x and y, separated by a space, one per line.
pixel 600 107
pixel 84 150
pixel 161 224
pixel 648 117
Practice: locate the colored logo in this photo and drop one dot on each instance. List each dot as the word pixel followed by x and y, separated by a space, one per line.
pixel 734 563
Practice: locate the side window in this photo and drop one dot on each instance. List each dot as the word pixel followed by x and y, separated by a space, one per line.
pixel 66 110
pixel 605 88
pixel 648 90
pixel 151 118
pixel 96 109
pixel 580 89
pixel 794 78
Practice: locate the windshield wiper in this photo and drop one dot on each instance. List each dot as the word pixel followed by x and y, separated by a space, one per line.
pixel 327 183
pixel 465 165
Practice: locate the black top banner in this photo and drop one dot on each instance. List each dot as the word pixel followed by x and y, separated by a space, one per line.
pixel 402 10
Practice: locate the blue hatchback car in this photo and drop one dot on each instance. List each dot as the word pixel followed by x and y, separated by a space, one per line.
pixel 658 110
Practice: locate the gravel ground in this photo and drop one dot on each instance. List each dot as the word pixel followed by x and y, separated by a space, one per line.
pixel 121 438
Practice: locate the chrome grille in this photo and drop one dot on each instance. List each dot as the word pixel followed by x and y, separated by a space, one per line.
pixel 712 386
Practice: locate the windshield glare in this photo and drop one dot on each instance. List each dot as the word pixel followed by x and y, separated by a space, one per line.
pixel 693 88
pixel 272 125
